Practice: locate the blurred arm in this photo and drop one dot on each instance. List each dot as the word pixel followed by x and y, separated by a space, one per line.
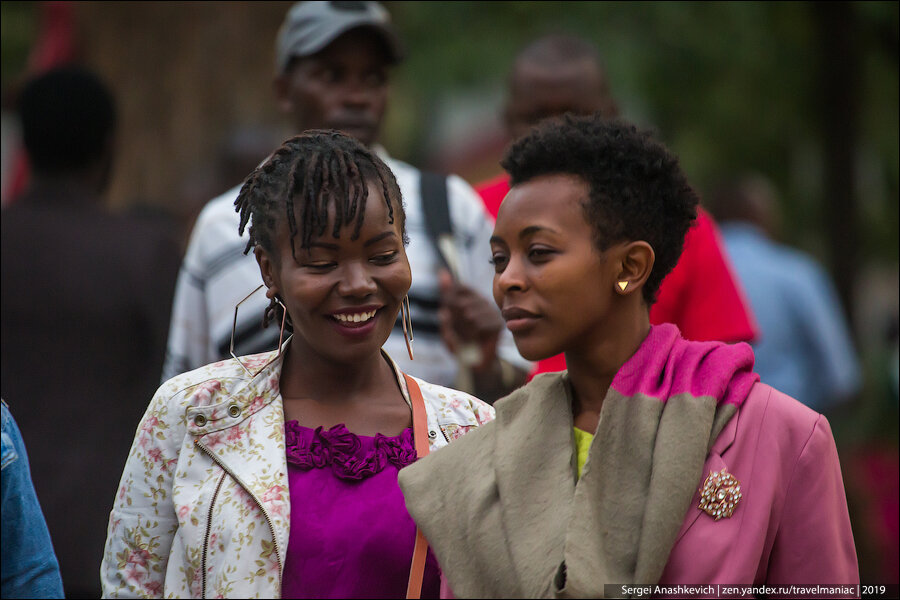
pixel 468 312
pixel 828 338
pixel 30 568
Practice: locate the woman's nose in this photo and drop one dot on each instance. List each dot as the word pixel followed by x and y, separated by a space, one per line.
pixel 511 279
pixel 356 281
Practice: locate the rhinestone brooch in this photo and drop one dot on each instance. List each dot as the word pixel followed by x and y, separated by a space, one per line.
pixel 720 494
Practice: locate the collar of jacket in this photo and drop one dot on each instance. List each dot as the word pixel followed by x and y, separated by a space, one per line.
pixel 233 396
pixel 233 414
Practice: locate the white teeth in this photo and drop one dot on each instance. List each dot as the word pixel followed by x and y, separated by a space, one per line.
pixel 357 318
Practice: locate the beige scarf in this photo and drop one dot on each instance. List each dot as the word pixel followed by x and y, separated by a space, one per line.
pixel 506 517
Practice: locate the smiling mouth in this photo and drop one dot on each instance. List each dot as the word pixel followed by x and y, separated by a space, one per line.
pixel 355 319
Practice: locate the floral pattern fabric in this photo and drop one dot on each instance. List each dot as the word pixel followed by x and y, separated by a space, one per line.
pixel 203 508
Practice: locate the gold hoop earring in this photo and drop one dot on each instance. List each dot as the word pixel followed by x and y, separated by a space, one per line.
pixel 280 333
pixel 406 322
pixel 623 285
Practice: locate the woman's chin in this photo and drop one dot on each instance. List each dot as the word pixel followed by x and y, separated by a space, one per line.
pixel 534 351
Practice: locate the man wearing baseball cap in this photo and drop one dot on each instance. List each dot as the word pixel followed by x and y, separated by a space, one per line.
pixel 332 71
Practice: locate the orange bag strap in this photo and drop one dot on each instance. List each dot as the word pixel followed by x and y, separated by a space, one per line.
pixel 420 438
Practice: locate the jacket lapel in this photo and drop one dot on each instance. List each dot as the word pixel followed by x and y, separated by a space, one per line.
pixel 245 436
pixel 714 462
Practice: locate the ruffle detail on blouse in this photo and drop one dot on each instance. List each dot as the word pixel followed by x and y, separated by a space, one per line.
pixel 348 455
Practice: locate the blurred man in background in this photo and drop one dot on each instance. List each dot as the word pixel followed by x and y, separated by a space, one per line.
pixel 332 72
pixel 804 348
pixel 85 307
pixel 557 74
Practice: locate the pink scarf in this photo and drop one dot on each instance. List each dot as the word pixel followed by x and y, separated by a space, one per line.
pixel 667 365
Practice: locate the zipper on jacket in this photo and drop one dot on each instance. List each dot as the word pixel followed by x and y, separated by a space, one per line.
pixel 258 503
pixel 209 517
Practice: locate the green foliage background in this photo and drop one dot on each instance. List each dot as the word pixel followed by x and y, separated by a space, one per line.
pixel 731 86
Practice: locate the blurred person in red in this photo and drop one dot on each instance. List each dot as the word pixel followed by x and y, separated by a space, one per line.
pixel 559 74
pixel 85 306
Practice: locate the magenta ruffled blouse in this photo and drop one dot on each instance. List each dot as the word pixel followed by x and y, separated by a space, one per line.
pixel 351 536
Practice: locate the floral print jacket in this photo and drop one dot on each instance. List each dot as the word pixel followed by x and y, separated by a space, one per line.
pixel 203 509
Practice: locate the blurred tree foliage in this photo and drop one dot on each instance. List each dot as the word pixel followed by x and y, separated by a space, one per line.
pixel 17 29
pixel 731 86
pixel 803 92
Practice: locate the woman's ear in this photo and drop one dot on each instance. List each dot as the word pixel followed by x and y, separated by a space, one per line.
pixel 636 263
pixel 267 270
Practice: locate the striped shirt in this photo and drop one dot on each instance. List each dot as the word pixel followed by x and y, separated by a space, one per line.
pixel 216 274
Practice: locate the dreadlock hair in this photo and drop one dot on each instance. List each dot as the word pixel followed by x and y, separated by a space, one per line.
pixel 637 188
pixel 301 180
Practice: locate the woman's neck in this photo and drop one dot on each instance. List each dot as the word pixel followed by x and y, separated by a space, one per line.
pixel 309 375
pixel 592 370
pixel 364 395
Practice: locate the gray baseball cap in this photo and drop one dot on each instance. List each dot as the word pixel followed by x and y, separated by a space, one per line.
pixel 311 26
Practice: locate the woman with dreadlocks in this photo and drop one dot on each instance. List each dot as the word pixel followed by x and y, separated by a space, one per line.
pixel 275 475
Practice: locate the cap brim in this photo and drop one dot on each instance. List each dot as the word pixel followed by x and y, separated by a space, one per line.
pixel 325 37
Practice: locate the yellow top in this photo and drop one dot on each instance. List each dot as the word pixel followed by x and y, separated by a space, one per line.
pixel 583 441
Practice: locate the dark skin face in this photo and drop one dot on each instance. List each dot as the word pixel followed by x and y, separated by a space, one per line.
pixel 538 92
pixel 343 87
pixel 343 297
pixel 560 293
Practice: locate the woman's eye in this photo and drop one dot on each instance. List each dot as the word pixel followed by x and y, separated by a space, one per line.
pixel 499 262
pixel 540 254
pixel 319 266
pixel 386 258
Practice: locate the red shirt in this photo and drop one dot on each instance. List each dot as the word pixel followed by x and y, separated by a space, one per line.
pixel 701 295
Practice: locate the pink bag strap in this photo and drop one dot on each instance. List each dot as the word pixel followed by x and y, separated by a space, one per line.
pixel 420 438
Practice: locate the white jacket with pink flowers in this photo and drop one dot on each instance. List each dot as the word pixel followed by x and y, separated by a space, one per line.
pixel 203 508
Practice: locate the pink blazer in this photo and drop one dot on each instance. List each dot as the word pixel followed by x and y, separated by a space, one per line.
pixel 784 453
pixel 790 527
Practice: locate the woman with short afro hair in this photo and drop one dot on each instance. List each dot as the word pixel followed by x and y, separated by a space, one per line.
pixel 653 459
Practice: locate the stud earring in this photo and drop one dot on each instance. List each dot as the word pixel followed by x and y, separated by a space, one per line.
pixel 623 285
pixel 406 322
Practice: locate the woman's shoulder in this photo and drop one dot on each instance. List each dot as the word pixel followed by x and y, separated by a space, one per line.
pixel 454 405
pixel 520 404
pixel 466 457
pixel 776 409
pixel 218 381
pixel 775 427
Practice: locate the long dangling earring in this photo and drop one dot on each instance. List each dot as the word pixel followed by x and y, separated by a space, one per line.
pixel 280 333
pixel 406 322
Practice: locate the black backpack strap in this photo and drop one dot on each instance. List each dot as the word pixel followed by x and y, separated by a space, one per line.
pixel 436 210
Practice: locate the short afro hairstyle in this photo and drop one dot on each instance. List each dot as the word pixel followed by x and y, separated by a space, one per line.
pixel 637 188
pixel 68 117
